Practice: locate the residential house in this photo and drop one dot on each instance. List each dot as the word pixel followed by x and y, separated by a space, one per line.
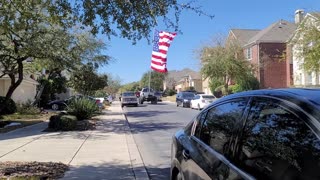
pixel 25 92
pixel 192 80
pixel 266 50
pixel 299 76
pixel 174 76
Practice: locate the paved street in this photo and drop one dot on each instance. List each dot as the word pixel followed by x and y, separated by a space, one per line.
pixel 153 127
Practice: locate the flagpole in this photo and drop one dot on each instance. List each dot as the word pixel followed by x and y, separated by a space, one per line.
pixel 154 30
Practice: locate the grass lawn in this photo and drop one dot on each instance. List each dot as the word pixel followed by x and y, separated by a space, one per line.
pixel 24 119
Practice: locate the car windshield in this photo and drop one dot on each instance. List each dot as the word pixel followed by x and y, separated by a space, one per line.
pixel 208 97
pixel 188 95
pixel 128 94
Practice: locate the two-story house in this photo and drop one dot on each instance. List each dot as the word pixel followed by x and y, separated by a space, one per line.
pixel 299 76
pixel 192 80
pixel 266 50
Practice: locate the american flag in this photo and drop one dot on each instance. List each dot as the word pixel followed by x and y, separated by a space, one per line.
pixel 161 44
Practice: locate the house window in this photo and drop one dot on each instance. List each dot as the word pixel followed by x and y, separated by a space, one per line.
pixel 249 53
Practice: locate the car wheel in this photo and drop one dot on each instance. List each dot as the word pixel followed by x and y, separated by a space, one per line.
pixel 136 105
pixel 177 105
pixel 122 105
pixel 55 107
pixel 199 107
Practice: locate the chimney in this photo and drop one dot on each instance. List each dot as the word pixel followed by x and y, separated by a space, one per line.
pixel 298 16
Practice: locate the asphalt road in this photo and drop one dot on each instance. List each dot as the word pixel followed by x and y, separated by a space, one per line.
pixel 153 126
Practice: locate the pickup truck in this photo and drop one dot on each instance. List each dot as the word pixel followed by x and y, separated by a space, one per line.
pixel 146 95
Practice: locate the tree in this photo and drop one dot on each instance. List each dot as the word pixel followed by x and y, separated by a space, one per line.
pixel 134 86
pixel 27 31
pixel 86 81
pixel 133 19
pixel 114 84
pixel 52 83
pixel 308 45
pixel 156 82
pixel 224 63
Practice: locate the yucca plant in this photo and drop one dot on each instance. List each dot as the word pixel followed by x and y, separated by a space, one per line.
pixel 83 108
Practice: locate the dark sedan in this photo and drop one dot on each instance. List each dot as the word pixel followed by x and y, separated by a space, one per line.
pixel 263 134
pixel 62 104
pixel 184 98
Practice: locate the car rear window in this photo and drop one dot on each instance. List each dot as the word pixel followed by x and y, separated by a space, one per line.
pixel 186 95
pixel 128 94
pixel 208 97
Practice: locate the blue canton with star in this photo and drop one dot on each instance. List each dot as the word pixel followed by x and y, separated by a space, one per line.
pixel 156 41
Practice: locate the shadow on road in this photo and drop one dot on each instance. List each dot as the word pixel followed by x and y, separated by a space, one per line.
pixel 146 113
pixel 147 126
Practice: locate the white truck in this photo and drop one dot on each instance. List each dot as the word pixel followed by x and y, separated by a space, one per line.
pixel 147 95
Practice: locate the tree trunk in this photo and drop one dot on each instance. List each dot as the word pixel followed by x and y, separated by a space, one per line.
pixel 14 84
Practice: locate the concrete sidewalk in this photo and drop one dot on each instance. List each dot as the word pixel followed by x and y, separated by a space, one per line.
pixel 109 152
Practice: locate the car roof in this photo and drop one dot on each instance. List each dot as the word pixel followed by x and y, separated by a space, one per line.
pixel 306 99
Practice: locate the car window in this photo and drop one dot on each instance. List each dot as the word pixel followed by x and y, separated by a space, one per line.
pixel 278 144
pixel 197 97
pixel 188 95
pixel 199 121
pixel 128 94
pixel 208 97
pixel 221 124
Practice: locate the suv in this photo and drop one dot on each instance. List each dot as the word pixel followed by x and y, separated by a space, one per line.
pixel 147 95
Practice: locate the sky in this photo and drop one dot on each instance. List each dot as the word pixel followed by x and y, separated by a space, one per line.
pixel 132 61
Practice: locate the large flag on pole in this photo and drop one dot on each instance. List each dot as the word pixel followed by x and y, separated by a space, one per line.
pixel 161 44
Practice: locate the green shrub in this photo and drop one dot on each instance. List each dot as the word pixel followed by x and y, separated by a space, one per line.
pixel 83 108
pixel 27 108
pixel 54 122
pixel 236 88
pixel 63 122
pixel 171 92
pixel 68 122
pixel 248 83
pixel 10 108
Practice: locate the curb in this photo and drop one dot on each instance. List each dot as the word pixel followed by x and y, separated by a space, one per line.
pixel 138 166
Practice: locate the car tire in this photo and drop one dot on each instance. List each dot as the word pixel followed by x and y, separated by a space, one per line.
pixel 55 107
pixel 122 105
pixel 199 107
pixel 136 105
pixel 177 105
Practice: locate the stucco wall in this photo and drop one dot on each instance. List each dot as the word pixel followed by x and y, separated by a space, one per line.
pixel 26 91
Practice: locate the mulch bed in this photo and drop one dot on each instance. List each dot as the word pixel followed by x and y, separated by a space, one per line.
pixel 32 170
pixel 83 125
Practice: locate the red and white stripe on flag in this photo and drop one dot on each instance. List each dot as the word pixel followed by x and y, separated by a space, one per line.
pixel 161 44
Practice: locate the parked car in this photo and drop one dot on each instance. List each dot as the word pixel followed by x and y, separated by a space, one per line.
pixel 62 104
pixel 202 100
pixel 184 98
pixel 129 98
pixel 263 134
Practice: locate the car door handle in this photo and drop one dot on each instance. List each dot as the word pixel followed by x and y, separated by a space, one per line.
pixel 186 154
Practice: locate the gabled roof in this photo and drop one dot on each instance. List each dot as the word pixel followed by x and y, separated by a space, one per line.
pixel 243 35
pixel 279 31
pixel 315 14
pixel 312 15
